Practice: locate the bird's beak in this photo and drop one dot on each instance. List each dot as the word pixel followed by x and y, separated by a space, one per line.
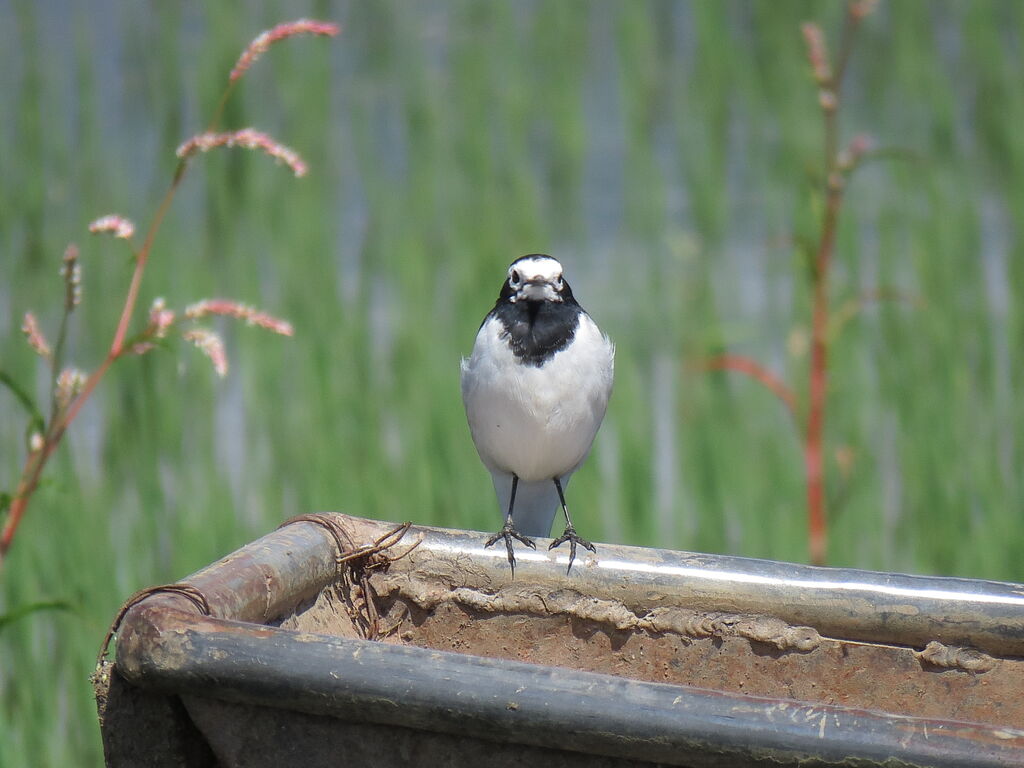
pixel 538 289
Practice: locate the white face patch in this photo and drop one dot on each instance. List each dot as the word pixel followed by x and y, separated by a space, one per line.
pixel 537 278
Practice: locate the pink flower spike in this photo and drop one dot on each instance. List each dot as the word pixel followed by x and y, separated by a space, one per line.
pixel 230 308
pixel 160 320
pixel 860 144
pixel 266 39
pixel 71 271
pixel 848 158
pixel 36 340
pixel 69 385
pixel 247 138
pixel 817 53
pixel 116 225
pixel 862 8
pixel 210 345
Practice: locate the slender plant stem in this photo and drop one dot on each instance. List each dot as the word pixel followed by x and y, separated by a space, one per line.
pixel 58 357
pixel 851 23
pixel 61 418
pixel 760 374
pixel 814 464
pixel 35 416
pixel 59 421
pixel 140 265
pixel 220 106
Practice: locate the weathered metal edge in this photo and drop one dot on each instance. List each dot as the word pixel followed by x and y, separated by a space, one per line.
pixel 841 603
pixel 517 702
pixel 267 578
pixel 264 580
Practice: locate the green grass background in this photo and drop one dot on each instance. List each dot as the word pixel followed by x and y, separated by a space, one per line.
pixel 667 152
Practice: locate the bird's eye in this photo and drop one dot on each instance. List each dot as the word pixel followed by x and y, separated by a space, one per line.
pixel 515 277
pixel 559 283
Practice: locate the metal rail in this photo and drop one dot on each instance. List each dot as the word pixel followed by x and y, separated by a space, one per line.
pixel 165 650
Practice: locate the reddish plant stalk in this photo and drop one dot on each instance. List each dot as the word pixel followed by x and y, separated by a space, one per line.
pixel 817 530
pixel 760 374
pixel 829 99
pixel 37 460
pixel 837 167
pixel 59 422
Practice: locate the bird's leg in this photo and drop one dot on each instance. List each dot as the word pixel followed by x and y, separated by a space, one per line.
pixel 508 531
pixel 569 534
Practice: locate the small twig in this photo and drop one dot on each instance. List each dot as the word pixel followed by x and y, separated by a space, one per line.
pixel 69 271
pixel 354 565
pixel 846 39
pixel 36 420
pixel 853 307
pixel 760 374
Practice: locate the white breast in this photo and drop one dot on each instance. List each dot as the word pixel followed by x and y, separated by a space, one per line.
pixel 537 422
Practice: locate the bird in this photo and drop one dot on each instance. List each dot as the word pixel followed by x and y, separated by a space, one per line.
pixel 536 387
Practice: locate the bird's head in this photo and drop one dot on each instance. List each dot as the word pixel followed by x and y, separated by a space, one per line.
pixel 535 278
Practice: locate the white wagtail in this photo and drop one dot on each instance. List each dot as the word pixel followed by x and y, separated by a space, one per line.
pixel 536 388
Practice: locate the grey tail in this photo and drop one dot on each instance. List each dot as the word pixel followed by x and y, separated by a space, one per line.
pixel 536 503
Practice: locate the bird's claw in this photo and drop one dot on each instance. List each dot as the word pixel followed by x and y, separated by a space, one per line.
pixel 508 533
pixel 570 535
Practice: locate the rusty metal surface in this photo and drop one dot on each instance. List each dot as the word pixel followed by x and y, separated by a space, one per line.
pixel 810 640
pixel 855 653
pixel 838 602
pixel 143 727
pixel 551 707
pixel 860 675
pixel 264 580
pixel 251 736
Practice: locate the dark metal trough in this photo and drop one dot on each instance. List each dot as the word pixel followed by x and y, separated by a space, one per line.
pixel 342 641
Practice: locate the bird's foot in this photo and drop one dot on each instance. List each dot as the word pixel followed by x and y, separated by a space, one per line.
pixel 508 533
pixel 570 535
